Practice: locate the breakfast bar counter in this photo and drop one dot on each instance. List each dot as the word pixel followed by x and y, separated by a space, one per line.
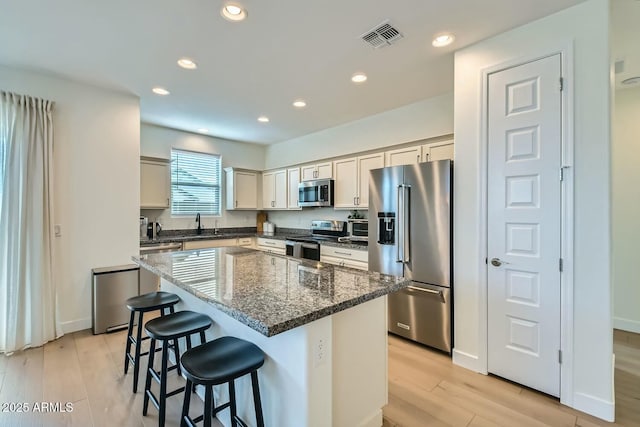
pixel 322 327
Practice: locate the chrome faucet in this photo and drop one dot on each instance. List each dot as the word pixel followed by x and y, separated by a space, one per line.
pixel 199 229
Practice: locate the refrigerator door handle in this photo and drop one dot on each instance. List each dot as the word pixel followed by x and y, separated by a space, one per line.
pixel 400 226
pixel 406 223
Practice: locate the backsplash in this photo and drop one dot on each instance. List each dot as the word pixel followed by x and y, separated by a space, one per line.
pixel 227 220
pixel 303 218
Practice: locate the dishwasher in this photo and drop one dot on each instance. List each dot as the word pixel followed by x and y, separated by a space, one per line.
pixel 112 286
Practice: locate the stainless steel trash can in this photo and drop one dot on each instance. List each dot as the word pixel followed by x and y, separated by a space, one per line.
pixel 112 286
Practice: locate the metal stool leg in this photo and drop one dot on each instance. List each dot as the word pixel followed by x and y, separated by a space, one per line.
pixel 128 348
pixel 163 384
pixel 147 384
pixel 136 360
pixel 186 402
pixel 256 398
pixel 232 401
pixel 208 405
pixel 202 337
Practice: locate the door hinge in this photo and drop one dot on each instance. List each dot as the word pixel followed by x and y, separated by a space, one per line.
pixel 561 173
pixel 486 261
pixel 560 264
pixel 560 357
pixel 561 84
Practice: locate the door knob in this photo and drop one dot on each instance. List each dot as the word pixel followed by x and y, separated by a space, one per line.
pixel 496 262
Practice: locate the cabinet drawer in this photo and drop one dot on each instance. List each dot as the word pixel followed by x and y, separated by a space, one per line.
pixel 245 241
pixel 346 253
pixel 271 243
pixel 342 262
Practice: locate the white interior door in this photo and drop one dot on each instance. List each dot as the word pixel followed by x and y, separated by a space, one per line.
pixel 524 213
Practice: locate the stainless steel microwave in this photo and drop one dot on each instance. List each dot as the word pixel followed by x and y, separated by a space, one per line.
pixel 315 193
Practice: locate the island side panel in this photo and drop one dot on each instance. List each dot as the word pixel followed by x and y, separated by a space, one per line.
pixel 295 391
pixel 360 376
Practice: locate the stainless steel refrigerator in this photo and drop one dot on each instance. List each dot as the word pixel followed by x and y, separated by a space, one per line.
pixel 410 235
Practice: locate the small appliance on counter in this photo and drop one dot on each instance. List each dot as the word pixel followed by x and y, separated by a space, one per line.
pixel 144 223
pixel 268 228
pixel 358 230
pixel 153 229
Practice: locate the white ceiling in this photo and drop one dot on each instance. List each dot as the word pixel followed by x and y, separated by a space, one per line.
pixel 286 49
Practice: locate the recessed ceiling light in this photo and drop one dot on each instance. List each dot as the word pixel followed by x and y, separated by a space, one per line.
pixel 631 81
pixel 443 40
pixel 359 78
pixel 160 91
pixel 263 119
pixel 299 103
pixel 233 12
pixel 187 63
pixel 203 130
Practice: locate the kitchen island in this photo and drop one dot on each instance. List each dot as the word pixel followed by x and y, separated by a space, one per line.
pixel 322 327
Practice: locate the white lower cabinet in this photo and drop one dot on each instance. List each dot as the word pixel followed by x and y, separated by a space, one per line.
pixel 345 257
pixel 275 246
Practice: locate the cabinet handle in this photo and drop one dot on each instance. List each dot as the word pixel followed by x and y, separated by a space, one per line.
pixel 236 203
pixel 354 201
pixel 358 200
pixel 418 158
pixel 342 253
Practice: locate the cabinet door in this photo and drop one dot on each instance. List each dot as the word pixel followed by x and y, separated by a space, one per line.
pixel 268 193
pixel 346 185
pixel 245 190
pixel 437 151
pixel 402 156
pixel 293 176
pixel 365 164
pixel 325 170
pixel 155 184
pixel 212 243
pixel 280 189
pixel 308 172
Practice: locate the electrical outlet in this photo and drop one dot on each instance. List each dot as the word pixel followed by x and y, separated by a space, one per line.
pixel 319 353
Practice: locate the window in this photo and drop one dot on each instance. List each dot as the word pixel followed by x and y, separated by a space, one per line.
pixel 195 183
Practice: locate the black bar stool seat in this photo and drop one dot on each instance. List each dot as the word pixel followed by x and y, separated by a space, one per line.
pixel 221 361
pixel 142 304
pixel 165 329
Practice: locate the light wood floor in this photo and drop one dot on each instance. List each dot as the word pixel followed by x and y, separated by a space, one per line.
pixel 425 389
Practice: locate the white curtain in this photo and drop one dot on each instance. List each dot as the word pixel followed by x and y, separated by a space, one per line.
pixel 28 315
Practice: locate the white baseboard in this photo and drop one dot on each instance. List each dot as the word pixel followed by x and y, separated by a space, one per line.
pixel 595 406
pixel 626 324
pixel 468 361
pixel 374 420
pixel 75 325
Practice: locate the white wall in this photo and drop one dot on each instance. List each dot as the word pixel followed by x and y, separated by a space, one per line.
pixel 96 160
pixel 626 209
pixel 429 118
pixel 156 141
pixel 586 26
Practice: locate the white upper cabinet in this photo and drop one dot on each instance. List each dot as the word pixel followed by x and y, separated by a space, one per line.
pixel 437 151
pixel 346 186
pixel 155 183
pixel 403 156
pixel 241 189
pixel 317 171
pixel 365 164
pixel 352 180
pixel 274 190
pixel 293 179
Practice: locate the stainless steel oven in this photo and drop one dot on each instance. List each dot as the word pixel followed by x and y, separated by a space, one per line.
pixel 315 193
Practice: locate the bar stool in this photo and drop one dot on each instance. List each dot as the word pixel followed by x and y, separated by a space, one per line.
pixel 216 362
pixel 170 328
pixel 142 304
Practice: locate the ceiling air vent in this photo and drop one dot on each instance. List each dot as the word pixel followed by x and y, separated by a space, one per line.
pixel 382 35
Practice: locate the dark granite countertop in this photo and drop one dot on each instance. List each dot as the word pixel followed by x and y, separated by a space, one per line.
pixel 170 237
pixel 267 292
